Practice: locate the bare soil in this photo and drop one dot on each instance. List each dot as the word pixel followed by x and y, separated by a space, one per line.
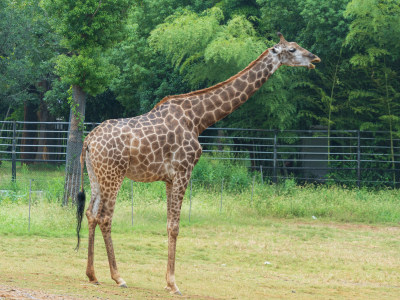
pixel 14 293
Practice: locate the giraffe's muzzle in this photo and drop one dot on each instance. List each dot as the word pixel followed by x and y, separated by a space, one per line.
pixel 315 60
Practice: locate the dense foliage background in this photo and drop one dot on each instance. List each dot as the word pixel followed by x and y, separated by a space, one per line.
pixel 165 47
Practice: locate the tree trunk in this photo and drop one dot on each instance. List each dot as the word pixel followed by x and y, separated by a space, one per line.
pixel 42 146
pixel 74 145
pixel 43 115
pixel 28 141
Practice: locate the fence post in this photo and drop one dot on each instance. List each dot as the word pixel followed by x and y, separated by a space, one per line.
pixel 222 189
pixel 252 190
pixel 190 199
pixel 274 179
pixel 262 176
pixel 358 158
pixel 13 155
pixel 132 200
pixel 30 196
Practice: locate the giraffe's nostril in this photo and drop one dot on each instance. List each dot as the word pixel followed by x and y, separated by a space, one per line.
pixel 314 58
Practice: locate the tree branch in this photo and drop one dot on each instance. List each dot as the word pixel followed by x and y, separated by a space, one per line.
pixel 18 93
pixel 97 9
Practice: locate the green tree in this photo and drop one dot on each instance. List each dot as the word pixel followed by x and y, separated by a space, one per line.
pixel 283 16
pixel 88 29
pixel 145 76
pixel 374 37
pixel 26 49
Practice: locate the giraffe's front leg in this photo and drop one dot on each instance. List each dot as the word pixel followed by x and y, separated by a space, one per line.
pixel 92 221
pixel 175 193
pixel 173 230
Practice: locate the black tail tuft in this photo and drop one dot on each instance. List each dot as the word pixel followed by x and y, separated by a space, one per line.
pixel 80 207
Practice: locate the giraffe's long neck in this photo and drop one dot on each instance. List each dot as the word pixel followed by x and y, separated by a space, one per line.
pixel 222 99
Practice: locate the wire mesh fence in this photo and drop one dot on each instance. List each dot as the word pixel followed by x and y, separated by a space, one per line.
pixel 349 157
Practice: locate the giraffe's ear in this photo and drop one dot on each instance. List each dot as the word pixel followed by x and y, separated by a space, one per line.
pixel 276 49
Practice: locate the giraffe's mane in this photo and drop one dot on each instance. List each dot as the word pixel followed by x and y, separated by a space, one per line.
pixel 205 90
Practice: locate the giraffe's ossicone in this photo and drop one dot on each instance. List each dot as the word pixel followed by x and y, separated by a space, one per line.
pixel 162 145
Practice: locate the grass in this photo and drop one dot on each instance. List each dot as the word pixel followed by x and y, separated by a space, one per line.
pixel 219 256
pixel 263 247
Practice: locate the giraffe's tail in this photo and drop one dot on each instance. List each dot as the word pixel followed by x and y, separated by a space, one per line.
pixel 80 200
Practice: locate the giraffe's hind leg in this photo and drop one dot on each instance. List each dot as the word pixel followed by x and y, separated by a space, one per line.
pixel 105 226
pixel 92 222
pixel 90 267
pixel 109 196
pixel 100 212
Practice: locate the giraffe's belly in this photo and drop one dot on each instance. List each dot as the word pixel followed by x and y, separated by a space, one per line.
pixel 147 172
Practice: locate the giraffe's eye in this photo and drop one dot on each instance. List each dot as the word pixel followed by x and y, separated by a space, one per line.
pixel 292 50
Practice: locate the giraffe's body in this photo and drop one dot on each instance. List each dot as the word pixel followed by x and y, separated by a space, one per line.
pixel 162 145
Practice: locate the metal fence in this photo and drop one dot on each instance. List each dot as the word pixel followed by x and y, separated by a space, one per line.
pixel 351 157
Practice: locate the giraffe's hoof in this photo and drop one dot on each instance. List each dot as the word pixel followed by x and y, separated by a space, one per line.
pixel 177 293
pixel 123 285
pixel 169 289
pixel 95 282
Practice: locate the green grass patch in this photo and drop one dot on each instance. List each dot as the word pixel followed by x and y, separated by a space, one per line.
pixel 264 246
pixel 239 197
pixel 232 255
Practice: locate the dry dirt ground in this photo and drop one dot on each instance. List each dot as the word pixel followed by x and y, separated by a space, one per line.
pixel 283 259
pixel 9 292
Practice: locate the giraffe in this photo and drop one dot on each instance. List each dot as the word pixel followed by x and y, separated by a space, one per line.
pixel 162 145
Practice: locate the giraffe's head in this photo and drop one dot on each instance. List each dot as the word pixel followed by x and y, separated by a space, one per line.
pixel 291 54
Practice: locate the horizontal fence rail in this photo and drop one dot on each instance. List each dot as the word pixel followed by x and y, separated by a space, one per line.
pixel 346 156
